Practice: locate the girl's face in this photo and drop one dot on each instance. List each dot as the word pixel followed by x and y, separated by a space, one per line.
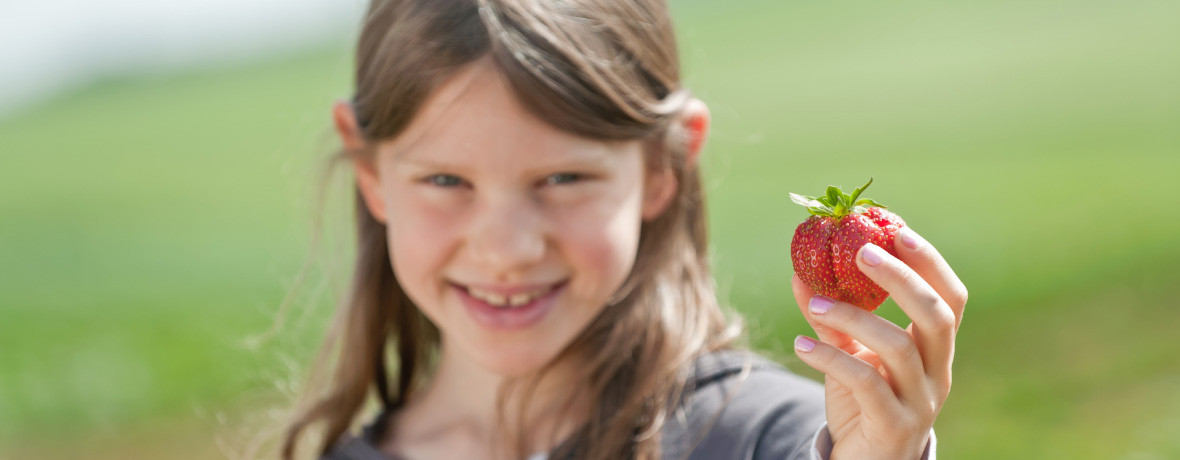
pixel 510 235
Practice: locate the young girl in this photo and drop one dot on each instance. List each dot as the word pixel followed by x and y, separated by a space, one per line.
pixel 532 277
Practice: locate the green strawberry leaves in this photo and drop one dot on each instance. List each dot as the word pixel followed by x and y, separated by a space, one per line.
pixel 836 203
pixel 856 193
pixel 813 205
pixel 834 196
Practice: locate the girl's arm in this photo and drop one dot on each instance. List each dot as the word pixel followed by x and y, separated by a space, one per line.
pixel 885 385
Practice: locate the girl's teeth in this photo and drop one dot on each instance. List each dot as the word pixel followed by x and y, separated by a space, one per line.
pixel 499 300
pixel 519 299
pixel 495 299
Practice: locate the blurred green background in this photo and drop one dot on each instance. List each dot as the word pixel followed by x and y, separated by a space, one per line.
pixel 150 227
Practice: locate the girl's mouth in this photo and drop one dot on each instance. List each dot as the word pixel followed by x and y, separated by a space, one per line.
pixel 516 311
pixel 513 301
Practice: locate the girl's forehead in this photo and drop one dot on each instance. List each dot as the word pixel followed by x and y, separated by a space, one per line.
pixel 476 112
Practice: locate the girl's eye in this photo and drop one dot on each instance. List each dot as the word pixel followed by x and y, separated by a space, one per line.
pixel 444 180
pixel 562 178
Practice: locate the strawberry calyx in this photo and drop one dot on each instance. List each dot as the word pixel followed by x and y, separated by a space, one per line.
pixel 836 203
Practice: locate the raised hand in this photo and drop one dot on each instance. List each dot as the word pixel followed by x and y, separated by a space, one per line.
pixel 886 385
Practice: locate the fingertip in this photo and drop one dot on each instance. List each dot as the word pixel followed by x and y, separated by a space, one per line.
pixel 804 344
pixel 798 285
pixel 908 239
pixel 803 295
pixel 872 255
pixel 802 292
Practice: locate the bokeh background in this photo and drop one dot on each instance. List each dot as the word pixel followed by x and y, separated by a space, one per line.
pixel 160 162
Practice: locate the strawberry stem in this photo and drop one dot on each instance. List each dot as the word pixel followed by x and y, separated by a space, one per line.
pixel 836 203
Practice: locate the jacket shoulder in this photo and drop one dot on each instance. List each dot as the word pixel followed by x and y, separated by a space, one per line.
pixel 740 405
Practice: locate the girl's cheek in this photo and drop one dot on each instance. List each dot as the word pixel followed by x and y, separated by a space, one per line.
pixel 601 236
pixel 421 210
pixel 420 233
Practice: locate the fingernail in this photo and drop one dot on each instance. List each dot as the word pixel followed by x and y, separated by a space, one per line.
pixel 820 304
pixel 872 255
pixel 804 343
pixel 908 238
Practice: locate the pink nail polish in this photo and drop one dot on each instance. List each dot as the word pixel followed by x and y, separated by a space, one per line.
pixel 908 238
pixel 804 343
pixel 872 255
pixel 820 304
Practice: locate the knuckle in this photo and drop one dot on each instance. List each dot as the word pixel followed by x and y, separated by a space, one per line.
pixel 845 313
pixel 864 377
pixel 929 297
pixel 930 412
pixel 959 296
pixel 907 277
pixel 903 347
pixel 943 320
pixel 827 357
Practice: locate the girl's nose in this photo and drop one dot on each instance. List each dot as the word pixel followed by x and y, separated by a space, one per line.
pixel 507 234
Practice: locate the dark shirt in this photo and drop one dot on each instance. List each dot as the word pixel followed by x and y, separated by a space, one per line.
pixel 739 406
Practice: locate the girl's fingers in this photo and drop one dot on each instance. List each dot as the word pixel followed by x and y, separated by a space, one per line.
pixel 893 345
pixel 926 261
pixel 933 320
pixel 803 295
pixel 868 387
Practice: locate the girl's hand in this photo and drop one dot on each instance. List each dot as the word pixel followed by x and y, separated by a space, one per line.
pixel 885 385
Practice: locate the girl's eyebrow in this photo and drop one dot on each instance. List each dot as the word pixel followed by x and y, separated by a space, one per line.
pixel 592 157
pixel 425 162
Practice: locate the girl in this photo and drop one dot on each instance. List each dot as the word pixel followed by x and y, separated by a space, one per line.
pixel 532 279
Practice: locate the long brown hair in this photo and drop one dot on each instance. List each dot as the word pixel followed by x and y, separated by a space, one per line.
pixel 605 69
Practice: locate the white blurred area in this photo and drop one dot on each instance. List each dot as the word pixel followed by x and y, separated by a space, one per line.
pixel 49 46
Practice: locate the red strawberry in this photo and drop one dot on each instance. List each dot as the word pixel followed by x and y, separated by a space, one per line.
pixel 824 248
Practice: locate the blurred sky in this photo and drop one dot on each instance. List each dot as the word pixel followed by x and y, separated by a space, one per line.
pixel 47 47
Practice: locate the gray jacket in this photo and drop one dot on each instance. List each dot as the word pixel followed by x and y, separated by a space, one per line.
pixel 740 406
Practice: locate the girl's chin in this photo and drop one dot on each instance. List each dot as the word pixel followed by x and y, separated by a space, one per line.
pixel 514 363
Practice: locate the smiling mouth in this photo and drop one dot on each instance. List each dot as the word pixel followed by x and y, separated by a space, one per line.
pixel 503 301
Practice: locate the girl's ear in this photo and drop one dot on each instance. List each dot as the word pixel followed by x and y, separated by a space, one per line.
pixel 695 121
pixel 344 119
pixel 367 179
pixel 660 187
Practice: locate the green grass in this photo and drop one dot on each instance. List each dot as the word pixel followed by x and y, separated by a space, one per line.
pixel 148 227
